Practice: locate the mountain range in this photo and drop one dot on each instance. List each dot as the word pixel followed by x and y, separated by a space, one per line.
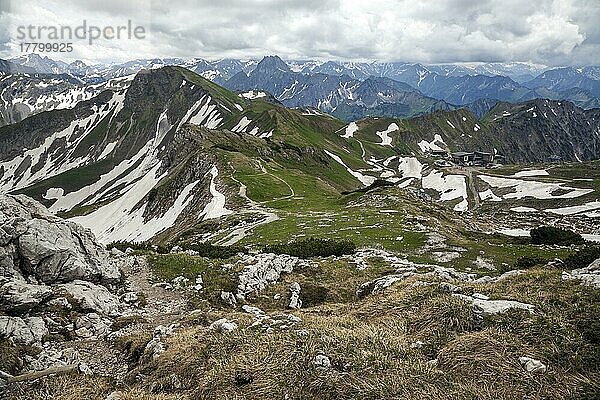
pixel 128 156
pixel 351 91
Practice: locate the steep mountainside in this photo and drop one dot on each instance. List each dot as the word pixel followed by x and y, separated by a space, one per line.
pixel 22 95
pixel 8 67
pixel 342 96
pixel 546 130
pixel 217 71
pixel 517 71
pixel 562 79
pixel 111 150
pixel 126 159
pixel 481 107
pixel 534 131
pixel 168 153
pixel 467 89
pixel 328 85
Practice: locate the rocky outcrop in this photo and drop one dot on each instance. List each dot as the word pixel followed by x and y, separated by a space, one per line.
pixel 406 269
pixel 380 284
pixel 223 325
pixel 269 323
pixel 20 296
pixel 482 305
pixel 264 269
pixel 589 276
pixel 91 297
pixel 48 249
pixel 47 263
pixel 26 331
pixel 295 301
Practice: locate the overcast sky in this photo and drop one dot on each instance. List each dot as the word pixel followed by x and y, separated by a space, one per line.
pixel 550 32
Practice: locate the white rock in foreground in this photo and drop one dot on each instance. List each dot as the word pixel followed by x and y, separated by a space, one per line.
pixel 532 365
pixel 35 242
pixel 322 361
pixel 223 325
pixel 20 296
pixel 490 307
pixel 380 284
pixel 589 276
pixel 23 330
pixel 295 301
pixel 92 297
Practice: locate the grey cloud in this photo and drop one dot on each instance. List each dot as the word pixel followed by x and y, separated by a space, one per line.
pixel 552 32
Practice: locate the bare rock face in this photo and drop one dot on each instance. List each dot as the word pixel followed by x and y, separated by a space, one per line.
pixel 589 276
pixel 295 301
pixel 91 296
pixel 48 248
pixel 380 284
pixel 262 270
pixel 43 259
pixel 26 331
pixel 20 296
pixel 486 307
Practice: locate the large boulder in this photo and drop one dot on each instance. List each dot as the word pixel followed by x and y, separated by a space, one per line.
pixel 19 296
pixel 43 257
pixel 26 331
pixel 91 297
pixel 35 243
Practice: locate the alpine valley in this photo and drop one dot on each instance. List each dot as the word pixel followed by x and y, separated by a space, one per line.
pixel 184 228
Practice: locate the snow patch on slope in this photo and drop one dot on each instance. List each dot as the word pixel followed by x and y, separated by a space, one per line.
pixel 450 187
pixel 53 164
pixel 241 125
pixel 488 195
pixel 531 172
pixel 434 145
pixel 350 130
pixel 253 94
pixel 216 207
pixel 364 179
pixel 594 205
pixel 410 167
pixel 386 140
pixel 107 150
pixel 537 190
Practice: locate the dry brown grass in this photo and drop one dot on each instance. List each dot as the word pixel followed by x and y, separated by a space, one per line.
pixel 66 387
pixel 369 344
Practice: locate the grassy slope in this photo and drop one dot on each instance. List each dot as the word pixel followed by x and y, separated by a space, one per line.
pixel 370 345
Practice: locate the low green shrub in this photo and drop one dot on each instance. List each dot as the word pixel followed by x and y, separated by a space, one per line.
pixel 212 251
pixel 553 235
pixel 583 257
pixel 203 249
pixel 527 262
pixel 313 247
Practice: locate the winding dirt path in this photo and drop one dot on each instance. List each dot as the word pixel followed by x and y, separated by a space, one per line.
pixel 473 189
pixel 162 306
pixel 240 232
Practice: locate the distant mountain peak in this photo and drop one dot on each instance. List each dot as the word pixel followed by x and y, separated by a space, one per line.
pixel 273 63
